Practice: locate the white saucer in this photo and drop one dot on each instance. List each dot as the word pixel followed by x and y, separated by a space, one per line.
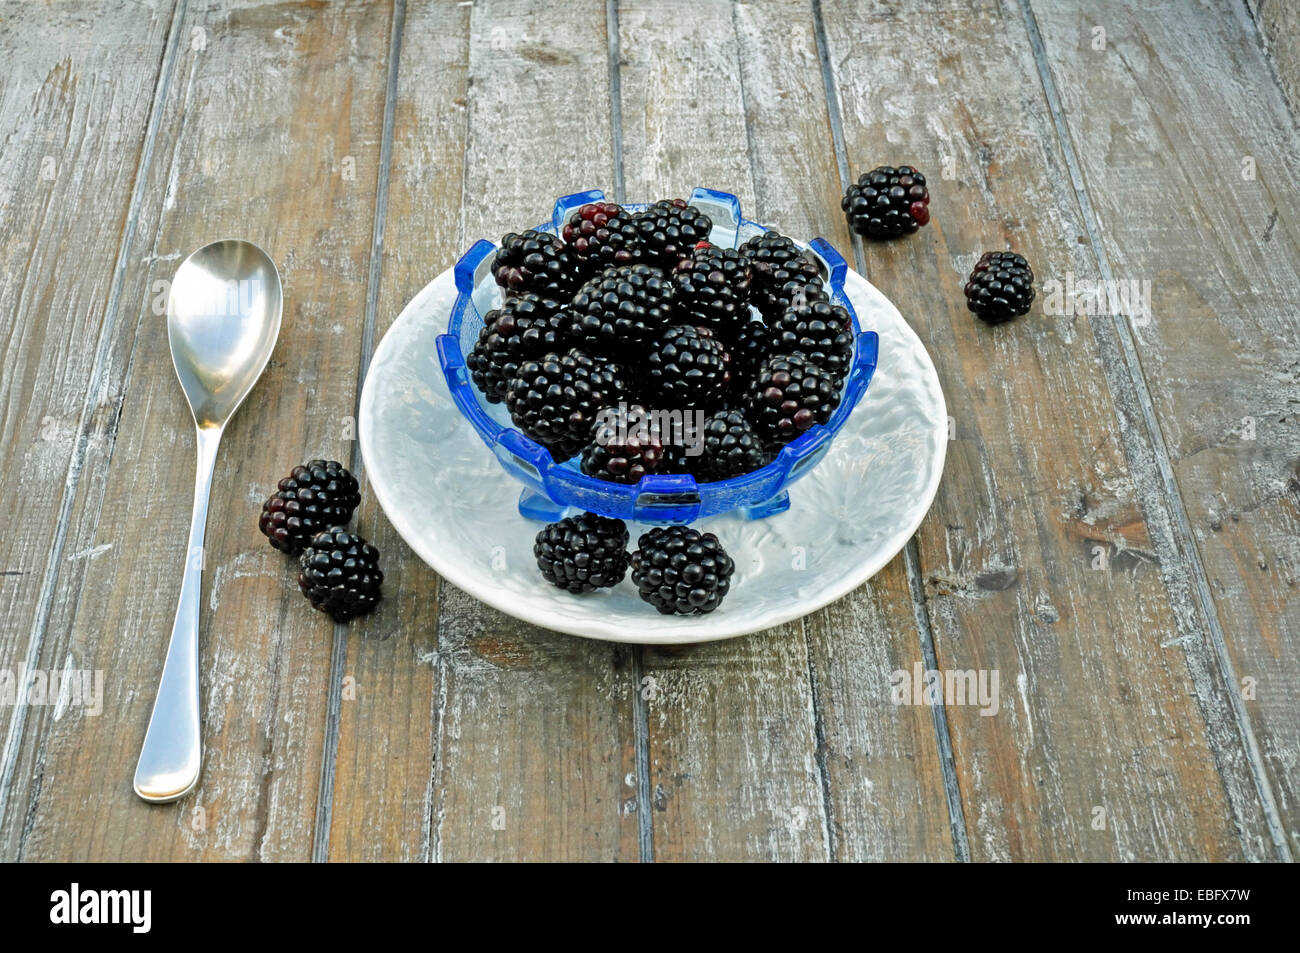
pixel 453 504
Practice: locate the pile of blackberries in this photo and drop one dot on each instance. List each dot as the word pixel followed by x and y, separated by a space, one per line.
pixel 611 332
pixel 676 569
pixel 307 517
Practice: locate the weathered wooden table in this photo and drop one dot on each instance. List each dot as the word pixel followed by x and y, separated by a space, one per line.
pixel 1115 536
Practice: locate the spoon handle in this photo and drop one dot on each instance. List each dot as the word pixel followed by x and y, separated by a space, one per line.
pixel 169 760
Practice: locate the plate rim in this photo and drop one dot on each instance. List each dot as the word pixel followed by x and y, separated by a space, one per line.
pixel 715 628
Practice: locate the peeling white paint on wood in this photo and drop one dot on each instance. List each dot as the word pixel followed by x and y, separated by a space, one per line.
pixel 1092 682
pixel 1218 354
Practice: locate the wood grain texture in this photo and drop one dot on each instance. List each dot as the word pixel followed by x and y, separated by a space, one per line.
pixel 271 131
pixel 535 747
pixel 74 114
pixel 1279 28
pixel 381 800
pixel 1218 350
pixel 1036 481
pixel 885 786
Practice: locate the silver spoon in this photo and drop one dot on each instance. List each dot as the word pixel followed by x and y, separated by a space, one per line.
pixel 223 316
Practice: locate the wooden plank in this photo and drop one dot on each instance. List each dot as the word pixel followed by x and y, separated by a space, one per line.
pixel 271 131
pixel 1098 693
pixel 67 176
pixel 731 97
pixel 885 784
pixel 883 781
pixel 382 801
pixel 1217 349
pixel 535 751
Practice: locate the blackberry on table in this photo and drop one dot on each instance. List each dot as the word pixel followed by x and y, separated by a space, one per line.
pixel 524 326
pixel 788 395
pixel 688 367
pixel 554 399
pixel 887 202
pixel 670 229
pixel 821 332
pixel 621 309
pixel 680 571
pixel 315 496
pixel 583 553
pixel 731 448
pixel 603 234
pixel 1001 287
pixel 784 274
pixel 624 446
pixel 713 288
pixel 534 262
pixel 340 574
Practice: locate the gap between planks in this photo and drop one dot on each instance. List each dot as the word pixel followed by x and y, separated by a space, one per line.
pixel 640 704
pixel 1204 605
pixel 911 555
pixel 112 312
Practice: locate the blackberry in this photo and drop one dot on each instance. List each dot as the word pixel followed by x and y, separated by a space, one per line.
pixel 713 288
pixel 625 446
pixel 583 553
pixel 675 458
pixel 537 263
pixel 821 332
pixel 669 229
pixel 678 570
pixel 554 399
pixel 795 293
pixel 603 234
pixel 887 202
pixel 775 257
pixel 524 326
pixel 784 274
pixel 1001 287
pixel 621 309
pixel 340 574
pixel 788 395
pixel 749 348
pixel 315 496
pixel 688 367
pixel 731 448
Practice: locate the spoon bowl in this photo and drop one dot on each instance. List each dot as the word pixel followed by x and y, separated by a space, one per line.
pixel 223 318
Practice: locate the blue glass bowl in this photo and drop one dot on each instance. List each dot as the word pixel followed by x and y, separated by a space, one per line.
pixel 551 488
